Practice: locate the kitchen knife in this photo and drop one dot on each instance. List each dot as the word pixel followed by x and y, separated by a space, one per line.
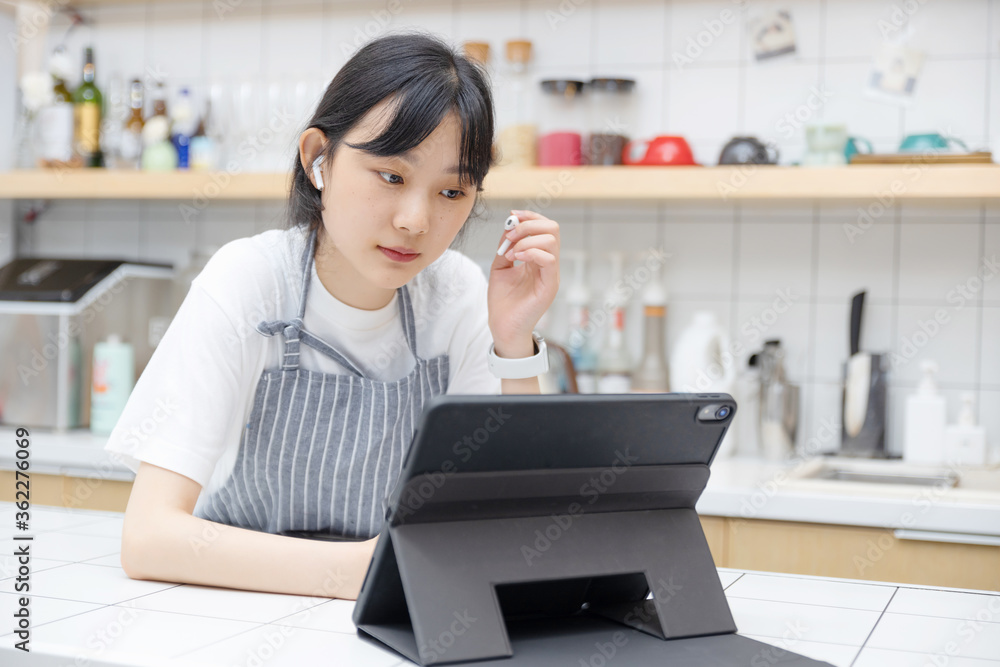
pixel 859 372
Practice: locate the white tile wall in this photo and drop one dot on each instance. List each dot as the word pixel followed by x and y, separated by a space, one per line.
pixel 726 258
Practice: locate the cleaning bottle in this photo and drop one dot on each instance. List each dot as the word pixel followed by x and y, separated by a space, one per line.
pixel 965 442
pixel 614 363
pixel 113 380
pixel 651 374
pixel 923 434
pixel 701 361
pixel 580 348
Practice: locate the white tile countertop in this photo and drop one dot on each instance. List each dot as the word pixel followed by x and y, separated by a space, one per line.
pixel 86 611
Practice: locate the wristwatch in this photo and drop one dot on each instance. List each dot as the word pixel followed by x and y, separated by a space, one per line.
pixel 519 369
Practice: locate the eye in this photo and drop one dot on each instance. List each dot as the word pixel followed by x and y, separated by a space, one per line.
pixel 390 175
pixel 452 194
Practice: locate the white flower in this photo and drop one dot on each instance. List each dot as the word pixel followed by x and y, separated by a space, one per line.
pixel 36 88
pixel 61 65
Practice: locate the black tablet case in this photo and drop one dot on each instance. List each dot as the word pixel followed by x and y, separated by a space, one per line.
pixel 528 530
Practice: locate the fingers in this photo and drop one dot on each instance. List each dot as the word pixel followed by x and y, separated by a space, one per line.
pixel 546 242
pixel 532 224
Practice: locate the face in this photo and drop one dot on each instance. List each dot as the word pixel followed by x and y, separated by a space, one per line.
pixel 387 218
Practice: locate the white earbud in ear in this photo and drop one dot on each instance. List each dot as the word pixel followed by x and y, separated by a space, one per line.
pixel 317 172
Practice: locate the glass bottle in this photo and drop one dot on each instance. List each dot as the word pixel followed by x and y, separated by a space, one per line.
pixel 517 140
pixel 614 363
pixel 131 145
pixel 88 106
pixel 579 345
pixel 651 375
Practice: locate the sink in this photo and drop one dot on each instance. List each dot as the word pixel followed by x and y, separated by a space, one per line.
pixel 872 471
pixel 946 479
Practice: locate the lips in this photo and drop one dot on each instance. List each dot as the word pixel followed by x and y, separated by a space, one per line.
pixel 399 254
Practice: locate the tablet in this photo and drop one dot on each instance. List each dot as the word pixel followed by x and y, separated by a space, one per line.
pixel 479 458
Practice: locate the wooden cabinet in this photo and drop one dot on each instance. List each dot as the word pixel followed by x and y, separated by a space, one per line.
pixel 76 492
pixel 854 552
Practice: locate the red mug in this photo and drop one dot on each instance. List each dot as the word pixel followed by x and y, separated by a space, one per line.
pixel 661 150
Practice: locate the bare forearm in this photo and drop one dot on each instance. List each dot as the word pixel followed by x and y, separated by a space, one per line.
pixel 525 386
pixel 187 549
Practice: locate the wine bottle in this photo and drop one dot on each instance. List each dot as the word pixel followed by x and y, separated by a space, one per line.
pixel 131 148
pixel 88 106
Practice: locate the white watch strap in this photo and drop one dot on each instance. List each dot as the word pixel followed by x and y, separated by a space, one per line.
pixel 519 369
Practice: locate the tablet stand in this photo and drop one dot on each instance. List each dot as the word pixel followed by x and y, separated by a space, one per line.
pixel 469 546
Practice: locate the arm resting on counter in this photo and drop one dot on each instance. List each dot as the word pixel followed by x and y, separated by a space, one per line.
pixel 163 541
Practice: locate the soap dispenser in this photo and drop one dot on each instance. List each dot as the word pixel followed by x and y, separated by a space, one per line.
pixel 965 442
pixel 923 435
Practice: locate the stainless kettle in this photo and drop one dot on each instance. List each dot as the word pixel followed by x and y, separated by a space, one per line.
pixel 779 403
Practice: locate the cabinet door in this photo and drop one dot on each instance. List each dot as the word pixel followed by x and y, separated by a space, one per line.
pixel 858 553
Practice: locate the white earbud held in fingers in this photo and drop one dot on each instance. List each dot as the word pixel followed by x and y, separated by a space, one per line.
pixel 317 172
pixel 509 224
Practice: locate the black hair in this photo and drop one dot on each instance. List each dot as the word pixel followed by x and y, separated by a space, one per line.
pixel 427 79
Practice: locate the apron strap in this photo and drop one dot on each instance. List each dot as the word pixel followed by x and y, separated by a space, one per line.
pixel 406 317
pixel 294 333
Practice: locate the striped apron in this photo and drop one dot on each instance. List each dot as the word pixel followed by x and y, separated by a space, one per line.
pixel 322 451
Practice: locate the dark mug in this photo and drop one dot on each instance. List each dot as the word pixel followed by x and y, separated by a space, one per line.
pixel 747 150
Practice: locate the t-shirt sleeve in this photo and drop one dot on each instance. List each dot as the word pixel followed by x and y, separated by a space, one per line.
pixel 469 373
pixel 189 401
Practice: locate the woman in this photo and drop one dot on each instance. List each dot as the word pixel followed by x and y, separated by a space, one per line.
pixel 284 394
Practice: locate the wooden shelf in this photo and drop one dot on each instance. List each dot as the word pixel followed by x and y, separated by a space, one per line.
pixel 539 185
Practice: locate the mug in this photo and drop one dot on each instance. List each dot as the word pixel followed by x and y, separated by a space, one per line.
pixel 661 150
pixel 747 150
pixel 932 141
pixel 852 147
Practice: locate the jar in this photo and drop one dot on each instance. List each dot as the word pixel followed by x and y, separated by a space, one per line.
pixel 517 139
pixel 612 121
pixel 562 123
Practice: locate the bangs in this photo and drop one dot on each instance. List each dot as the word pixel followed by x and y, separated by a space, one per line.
pixel 418 109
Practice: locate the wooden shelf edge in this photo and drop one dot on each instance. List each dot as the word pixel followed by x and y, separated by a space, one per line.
pixel 541 185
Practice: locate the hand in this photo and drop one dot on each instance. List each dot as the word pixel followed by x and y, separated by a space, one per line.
pixel 518 296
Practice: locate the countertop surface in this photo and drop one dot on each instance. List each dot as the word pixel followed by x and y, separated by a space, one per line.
pixel 85 610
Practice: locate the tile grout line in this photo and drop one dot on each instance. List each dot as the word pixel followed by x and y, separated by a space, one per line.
pixel 872 631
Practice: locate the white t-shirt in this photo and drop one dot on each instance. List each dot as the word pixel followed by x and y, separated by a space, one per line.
pixel 189 406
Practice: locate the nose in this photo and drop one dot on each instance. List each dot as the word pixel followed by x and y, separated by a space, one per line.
pixel 413 216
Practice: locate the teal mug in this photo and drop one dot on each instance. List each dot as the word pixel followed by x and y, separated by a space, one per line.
pixel 932 141
pixel 854 145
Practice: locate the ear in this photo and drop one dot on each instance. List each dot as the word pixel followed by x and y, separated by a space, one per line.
pixel 312 143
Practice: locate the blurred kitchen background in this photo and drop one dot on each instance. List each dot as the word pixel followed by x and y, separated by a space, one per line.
pixel 768 269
